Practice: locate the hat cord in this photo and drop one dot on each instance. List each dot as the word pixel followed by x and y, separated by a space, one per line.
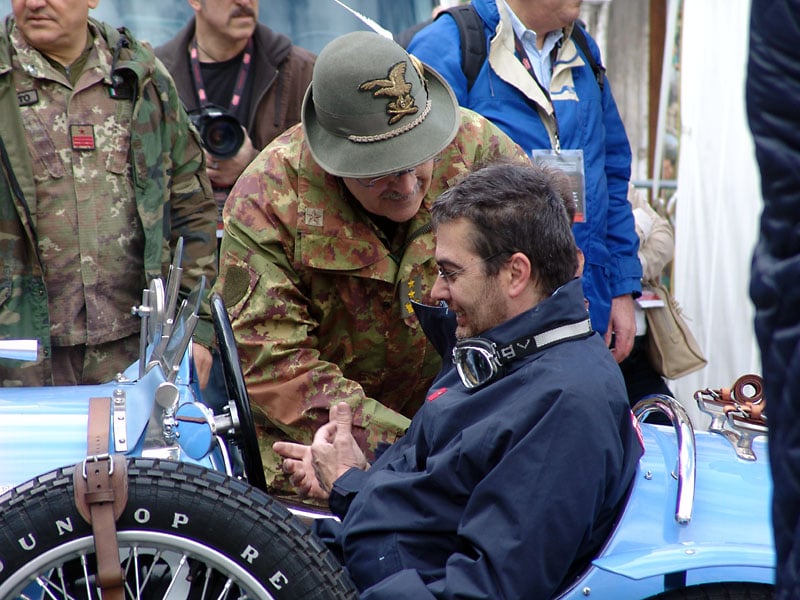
pixel 394 132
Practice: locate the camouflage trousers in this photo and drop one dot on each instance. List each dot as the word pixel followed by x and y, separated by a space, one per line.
pixel 73 365
pixel 84 365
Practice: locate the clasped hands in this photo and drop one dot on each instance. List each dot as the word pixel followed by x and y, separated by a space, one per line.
pixel 313 469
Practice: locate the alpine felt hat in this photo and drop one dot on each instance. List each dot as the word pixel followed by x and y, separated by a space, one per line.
pixel 370 112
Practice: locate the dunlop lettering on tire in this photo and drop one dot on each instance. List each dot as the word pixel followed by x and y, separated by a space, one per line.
pixel 186 532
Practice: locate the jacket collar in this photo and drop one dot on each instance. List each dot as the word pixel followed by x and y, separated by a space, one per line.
pixel 565 305
pixel 504 61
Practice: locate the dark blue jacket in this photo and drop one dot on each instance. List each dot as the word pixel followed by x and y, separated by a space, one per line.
pixel 502 492
pixel 587 118
pixel 773 90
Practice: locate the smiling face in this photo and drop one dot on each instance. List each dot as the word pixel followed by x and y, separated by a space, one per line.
pixel 478 300
pixel 396 197
pixel 56 28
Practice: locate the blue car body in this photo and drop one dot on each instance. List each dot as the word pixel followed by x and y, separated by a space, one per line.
pixel 727 539
pixel 45 428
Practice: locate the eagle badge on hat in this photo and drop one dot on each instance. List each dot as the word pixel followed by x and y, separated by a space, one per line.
pixel 395 86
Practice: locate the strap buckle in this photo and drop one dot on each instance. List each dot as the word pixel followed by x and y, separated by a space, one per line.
pixel 97 458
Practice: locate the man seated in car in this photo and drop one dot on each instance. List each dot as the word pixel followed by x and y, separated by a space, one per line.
pixel 511 475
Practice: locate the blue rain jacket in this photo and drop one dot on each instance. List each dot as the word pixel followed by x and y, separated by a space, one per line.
pixel 586 119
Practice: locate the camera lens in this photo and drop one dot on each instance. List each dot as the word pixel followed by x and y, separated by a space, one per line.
pixel 223 136
pixel 220 132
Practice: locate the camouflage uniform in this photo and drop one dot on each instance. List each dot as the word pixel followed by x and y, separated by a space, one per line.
pixel 76 251
pixel 319 299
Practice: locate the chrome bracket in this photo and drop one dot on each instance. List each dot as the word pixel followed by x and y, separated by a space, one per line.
pixel 733 425
pixel 119 420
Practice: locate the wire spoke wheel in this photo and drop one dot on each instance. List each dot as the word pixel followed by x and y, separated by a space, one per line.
pixel 156 566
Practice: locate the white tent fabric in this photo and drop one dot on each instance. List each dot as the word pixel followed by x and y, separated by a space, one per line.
pixel 718 197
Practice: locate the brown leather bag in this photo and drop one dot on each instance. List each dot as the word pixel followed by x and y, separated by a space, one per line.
pixel 671 347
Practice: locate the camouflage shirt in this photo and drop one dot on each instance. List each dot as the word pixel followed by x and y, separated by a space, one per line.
pixel 319 300
pixel 87 226
pixel 106 166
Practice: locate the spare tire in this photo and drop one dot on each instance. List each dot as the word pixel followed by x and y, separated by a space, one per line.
pixel 186 532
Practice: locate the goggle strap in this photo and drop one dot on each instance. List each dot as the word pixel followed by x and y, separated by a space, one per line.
pixel 528 345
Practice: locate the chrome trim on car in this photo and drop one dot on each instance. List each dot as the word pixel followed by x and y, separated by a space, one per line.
pixel 686 467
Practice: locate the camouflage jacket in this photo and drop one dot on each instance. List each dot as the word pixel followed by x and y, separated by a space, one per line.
pixel 172 192
pixel 320 302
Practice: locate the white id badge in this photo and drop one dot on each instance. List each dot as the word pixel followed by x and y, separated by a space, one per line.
pixel 570 162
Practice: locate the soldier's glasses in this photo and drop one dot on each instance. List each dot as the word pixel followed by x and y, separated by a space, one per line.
pixel 368 183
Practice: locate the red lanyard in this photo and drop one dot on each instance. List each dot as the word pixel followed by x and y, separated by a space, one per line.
pixel 241 78
pixel 526 61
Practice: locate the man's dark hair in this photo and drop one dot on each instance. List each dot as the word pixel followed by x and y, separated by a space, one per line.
pixel 515 208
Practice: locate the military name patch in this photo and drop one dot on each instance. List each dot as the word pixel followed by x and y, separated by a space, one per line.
pixel 82 137
pixel 28 97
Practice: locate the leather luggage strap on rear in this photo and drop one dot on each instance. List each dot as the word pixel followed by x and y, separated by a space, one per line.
pixel 101 492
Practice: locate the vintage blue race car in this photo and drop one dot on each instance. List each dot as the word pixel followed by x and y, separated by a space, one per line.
pixel 191 519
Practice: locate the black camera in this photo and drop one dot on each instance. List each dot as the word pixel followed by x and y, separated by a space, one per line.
pixel 219 130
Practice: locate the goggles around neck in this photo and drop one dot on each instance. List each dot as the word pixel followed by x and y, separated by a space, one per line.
pixel 480 361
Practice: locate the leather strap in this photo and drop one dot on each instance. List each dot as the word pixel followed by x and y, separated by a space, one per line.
pixel 101 492
pixel 748 394
pixel 745 401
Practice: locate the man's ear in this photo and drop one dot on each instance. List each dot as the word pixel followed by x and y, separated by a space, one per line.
pixel 581 261
pixel 195 4
pixel 519 274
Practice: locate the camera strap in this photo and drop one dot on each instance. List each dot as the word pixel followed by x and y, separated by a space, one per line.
pixel 241 78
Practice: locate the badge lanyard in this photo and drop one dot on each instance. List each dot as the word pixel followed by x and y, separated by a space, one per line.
pixel 569 162
pixel 241 78
pixel 522 55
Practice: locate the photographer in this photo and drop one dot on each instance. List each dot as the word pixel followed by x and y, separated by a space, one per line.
pixel 230 69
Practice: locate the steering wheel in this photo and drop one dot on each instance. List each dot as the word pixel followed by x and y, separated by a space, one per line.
pixel 245 437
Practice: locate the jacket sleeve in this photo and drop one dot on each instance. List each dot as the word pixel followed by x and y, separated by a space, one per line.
pixel 273 318
pixel 621 239
pixel 345 489
pixel 656 240
pixel 772 79
pixel 192 210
